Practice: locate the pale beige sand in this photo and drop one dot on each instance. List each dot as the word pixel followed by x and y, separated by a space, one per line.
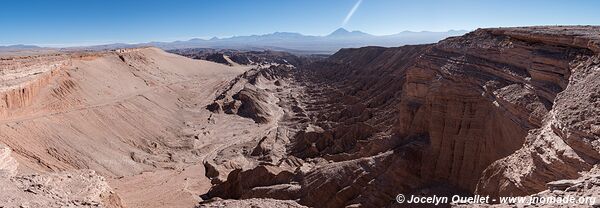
pixel 133 119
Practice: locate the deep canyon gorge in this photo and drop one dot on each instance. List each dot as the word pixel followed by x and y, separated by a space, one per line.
pixel 496 112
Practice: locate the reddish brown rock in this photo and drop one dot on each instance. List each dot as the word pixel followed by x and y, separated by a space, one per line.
pixel 246 184
pixel 496 112
pixel 257 203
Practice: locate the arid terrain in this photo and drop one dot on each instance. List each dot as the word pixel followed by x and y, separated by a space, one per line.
pixel 498 112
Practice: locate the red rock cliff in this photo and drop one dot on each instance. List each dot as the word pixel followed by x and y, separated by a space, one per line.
pixel 497 111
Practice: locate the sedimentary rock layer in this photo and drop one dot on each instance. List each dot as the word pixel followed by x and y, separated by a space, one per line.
pixel 497 111
pixel 119 113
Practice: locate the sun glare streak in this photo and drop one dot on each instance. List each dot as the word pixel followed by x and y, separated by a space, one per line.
pixel 354 8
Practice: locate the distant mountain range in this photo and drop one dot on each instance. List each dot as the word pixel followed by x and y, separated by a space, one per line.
pixel 296 42
pixel 18 47
pixel 24 50
pixel 285 41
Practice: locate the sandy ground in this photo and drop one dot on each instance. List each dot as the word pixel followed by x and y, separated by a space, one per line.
pixel 136 117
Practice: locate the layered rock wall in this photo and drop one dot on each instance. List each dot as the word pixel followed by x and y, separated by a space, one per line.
pixel 23 78
pixel 497 111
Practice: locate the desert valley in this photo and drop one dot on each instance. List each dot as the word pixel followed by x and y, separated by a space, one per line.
pixel 495 112
pixel 298 104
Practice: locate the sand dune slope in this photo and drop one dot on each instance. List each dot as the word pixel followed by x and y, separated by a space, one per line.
pixel 119 113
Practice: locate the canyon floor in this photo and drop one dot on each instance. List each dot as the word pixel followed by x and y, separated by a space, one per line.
pixel 498 112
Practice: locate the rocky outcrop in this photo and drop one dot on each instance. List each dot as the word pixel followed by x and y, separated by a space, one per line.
pixel 497 112
pixel 560 149
pixel 254 104
pixel 22 79
pixel 565 144
pixel 247 184
pixel 474 98
pixel 257 203
pixel 242 57
pixel 218 58
pixel 8 165
pixel 250 94
pixel 81 188
pixel 579 192
pixel 586 188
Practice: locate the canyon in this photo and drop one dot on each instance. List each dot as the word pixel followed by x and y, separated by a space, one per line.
pixel 498 112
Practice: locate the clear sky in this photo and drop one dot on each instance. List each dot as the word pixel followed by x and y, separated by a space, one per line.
pixel 86 22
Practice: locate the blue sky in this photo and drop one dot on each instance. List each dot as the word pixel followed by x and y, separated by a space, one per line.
pixel 87 22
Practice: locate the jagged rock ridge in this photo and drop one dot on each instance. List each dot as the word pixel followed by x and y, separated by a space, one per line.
pixel 497 111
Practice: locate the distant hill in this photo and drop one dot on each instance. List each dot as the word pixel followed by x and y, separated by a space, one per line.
pixel 296 42
pixel 18 47
pixel 24 50
pixel 281 41
pixel 343 33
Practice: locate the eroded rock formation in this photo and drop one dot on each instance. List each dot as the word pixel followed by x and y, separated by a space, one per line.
pixel 81 188
pixel 497 112
pixel 257 203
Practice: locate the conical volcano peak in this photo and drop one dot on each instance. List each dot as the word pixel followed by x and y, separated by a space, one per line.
pixel 342 32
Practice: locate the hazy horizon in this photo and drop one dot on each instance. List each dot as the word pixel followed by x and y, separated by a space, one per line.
pixel 59 45
pixel 78 23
